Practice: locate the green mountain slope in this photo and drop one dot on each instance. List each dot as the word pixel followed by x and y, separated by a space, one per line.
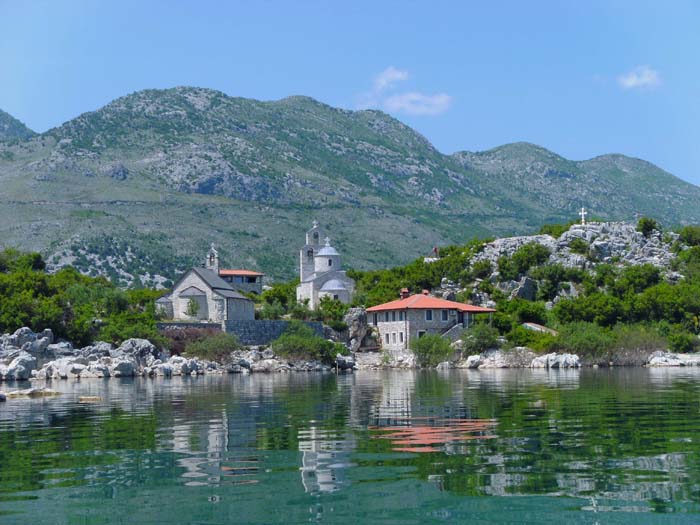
pixel 143 185
pixel 11 128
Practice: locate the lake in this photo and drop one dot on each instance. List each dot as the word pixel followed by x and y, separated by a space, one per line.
pixel 502 446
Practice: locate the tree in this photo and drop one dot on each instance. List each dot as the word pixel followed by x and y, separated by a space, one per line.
pixel 647 225
pixel 431 349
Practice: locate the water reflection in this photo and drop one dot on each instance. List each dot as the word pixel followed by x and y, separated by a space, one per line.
pixel 600 435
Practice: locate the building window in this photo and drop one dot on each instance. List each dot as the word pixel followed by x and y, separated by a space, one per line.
pixel 393 337
pixel 401 315
pixel 428 315
pixel 386 317
pixel 444 315
pixel 393 316
pixel 310 254
pixel 400 337
pixel 386 338
pixel 336 296
pixel 421 333
pixel 375 319
pixel 330 262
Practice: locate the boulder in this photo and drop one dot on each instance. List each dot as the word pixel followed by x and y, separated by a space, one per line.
pixel 21 367
pixel 661 358
pixel 122 368
pixel 555 360
pixel 526 289
pixel 61 349
pixel 345 362
pixel 356 319
pixel 445 365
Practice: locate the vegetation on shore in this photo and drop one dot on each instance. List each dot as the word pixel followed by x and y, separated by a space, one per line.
pixel 300 342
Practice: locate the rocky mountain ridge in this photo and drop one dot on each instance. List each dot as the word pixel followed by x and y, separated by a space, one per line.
pixel 161 174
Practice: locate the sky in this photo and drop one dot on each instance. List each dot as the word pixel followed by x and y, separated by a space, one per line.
pixel 579 78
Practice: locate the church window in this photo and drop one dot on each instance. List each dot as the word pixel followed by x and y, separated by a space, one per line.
pixel 330 262
pixel 336 297
pixel 310 254
pixel 315 236
pixel 428 315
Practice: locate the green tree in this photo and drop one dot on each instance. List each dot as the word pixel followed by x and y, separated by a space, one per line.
pixel 647 225
pixel 431 349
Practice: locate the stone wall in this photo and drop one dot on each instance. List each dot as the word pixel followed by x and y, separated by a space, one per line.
pixel 263 332
pixel 177 326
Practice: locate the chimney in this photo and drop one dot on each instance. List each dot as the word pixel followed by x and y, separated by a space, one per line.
pixel 426 292
pixel 404 293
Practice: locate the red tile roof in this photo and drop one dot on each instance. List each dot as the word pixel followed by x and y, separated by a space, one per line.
pixel 248 273
pixel 427 302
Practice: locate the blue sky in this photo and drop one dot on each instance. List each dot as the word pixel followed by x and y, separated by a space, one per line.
pixel 580 78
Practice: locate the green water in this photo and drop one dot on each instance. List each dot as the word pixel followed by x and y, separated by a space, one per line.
pixel 591 446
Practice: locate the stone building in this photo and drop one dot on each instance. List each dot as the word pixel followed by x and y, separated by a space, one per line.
pixel 244 281
pixel 412 316
pixel 320 273
pixel 202 295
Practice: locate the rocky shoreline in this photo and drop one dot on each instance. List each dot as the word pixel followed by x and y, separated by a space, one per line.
pixel 26 355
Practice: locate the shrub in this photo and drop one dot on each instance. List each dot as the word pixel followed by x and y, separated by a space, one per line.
pixel 537 341
pixel 214 348
pixel 579 246
pixel 481 269
pixel 683 342
pixel 273 310
pixel 690 235
pixel 555 230
pixel 300 342
pixel 176 340
pixel 647 225
pixel 584 339
pixel 524 258
pixel 479 337
pixel 431 349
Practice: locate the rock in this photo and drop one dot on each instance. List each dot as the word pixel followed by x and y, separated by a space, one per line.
pixel 661 358
pixel 265 365
pixel 527 289
pixel 21 367
pixel 122 368
pixel 33 392
pixel 473 361
pixel 356 319
pixel 445 365
pixel 22 336
pixel 345 362
pixel 268 353
pixel 47 333
pixel 117 171
pixel 89 399
pixel 555 360
pixel 61 349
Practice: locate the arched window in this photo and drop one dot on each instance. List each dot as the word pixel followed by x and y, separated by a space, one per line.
pixel 315 236
pixel 310 254
pixel 330 262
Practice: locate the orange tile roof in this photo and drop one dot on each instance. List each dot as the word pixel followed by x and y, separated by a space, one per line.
pixel 249 273
pixel 427 302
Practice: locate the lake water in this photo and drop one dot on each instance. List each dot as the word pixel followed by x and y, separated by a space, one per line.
pixel 589 446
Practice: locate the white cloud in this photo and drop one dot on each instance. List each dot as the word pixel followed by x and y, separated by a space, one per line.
pixel 414 103
pixel 383 96
pixel 640 77
pixel 388 78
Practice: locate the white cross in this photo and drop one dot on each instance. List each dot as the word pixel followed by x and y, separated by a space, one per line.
pixel 583 214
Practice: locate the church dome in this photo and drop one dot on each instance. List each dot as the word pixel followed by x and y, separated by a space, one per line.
pixel 327 251
pixel 333 285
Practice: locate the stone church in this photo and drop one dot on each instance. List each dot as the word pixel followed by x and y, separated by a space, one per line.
pixel 320 271
pixel 201 294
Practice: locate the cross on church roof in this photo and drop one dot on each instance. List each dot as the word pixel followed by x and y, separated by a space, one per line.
pixel 328 241
pixel 315 223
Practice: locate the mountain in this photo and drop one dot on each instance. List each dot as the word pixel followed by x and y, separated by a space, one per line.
pixel 142 186
pixel 11 128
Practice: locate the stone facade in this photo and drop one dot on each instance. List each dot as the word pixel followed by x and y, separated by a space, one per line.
pixel 320 273
pixel 263 332
pixel 215 300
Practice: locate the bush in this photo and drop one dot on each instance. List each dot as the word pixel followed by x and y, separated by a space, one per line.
pixel 481 269
pixel 431 349
pixel 579 246
pixel 584 340
pixel 478 338
pixel 214 348
pixel 647 225
pixel 273 310
pixel 683 342
pixel 537 341
pixel 690 235
pixel 299 341
pixel 555 230
pixel 178 339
